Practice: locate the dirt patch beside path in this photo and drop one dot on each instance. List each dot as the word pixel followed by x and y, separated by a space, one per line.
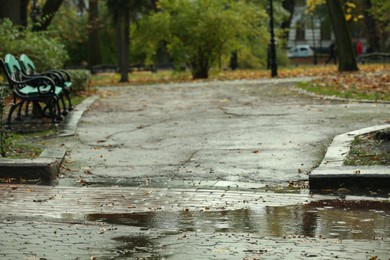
pixel 370 149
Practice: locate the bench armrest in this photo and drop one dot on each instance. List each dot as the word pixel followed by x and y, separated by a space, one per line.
pixel 65 76
pixel 41 83
pixel 56 77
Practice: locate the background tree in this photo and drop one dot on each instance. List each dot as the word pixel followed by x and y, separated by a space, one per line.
pixel 202 34
pixel 42 21
pixel 24 12
pixel 371 27
pixel 378 23
pixel 70 27
pixel 121 18
pixel 345 49
pixel 289 6
pixel 15 10
pixel 94 54
pixel 123 11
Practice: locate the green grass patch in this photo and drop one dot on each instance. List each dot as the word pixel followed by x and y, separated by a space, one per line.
pixel 77 100
pixel 319 90
pixel 25 146
pixel 335 90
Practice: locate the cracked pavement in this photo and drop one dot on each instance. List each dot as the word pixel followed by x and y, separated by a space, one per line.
pixel 260 132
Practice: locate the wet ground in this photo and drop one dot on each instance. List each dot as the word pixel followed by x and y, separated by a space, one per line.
pixel 323 218
pixel 152 223
pixel 200 171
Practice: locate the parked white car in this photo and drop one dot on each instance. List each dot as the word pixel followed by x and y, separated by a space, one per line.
pixel 300 51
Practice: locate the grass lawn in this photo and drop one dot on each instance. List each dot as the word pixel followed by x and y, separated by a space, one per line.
pixel 371 82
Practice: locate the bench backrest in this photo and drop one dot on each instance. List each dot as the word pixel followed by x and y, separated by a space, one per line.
pixel 17 80
pixel 12 71
pixel 27 65
pixel 12 68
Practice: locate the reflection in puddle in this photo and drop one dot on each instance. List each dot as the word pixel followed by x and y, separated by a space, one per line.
pixel 134 244
pixel 333 219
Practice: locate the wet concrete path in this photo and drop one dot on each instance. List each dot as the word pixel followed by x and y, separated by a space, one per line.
pixel 263 133
pixel 203 171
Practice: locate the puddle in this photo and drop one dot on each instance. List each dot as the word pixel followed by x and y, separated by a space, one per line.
pixel 328 219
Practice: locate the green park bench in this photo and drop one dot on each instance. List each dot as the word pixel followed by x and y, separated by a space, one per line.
pixel 60 77
pixel 26 89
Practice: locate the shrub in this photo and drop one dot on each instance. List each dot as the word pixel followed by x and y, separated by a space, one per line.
pixel 80 80
pixel 202 34
pixel 47 53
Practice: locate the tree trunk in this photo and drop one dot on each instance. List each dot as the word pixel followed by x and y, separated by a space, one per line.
pixel 123 44
pixel 23 13
pixel 200 72
pixel 15 10
pixel 200 66
pixel 372 30
pixel 94 56
pixel 345 50
pixel 48 12
pixel 288 5
pixel 11 9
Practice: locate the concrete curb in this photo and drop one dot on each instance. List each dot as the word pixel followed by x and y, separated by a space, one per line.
pixel 333 174
pixel 47 166
pixel 69 125
pixel 352 100
pixel 40 168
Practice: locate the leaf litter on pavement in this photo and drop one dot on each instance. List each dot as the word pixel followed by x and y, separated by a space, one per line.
pixel 371 82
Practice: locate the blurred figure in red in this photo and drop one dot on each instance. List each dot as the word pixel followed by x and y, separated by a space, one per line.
pixel 359 48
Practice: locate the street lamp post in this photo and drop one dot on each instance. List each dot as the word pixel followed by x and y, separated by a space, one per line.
pixel 274 66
